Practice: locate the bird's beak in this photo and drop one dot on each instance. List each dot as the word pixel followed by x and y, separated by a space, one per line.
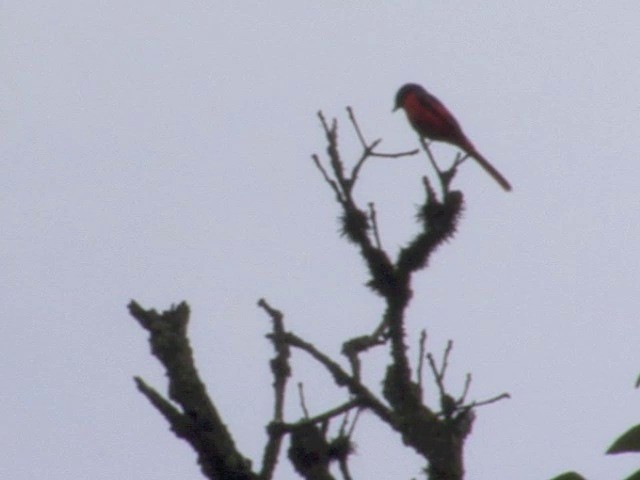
pixel 395 108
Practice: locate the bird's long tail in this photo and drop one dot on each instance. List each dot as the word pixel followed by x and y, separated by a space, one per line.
pixel 490 169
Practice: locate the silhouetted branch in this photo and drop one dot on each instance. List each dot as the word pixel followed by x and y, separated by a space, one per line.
pixel 421 356
pixel 448 404
pixel 362 395
pixel 199 422
pixel 374 223
pixel 309 452
pixel 497 398
pixel 168 411
pixel 439 373
pixel 332 184
pixel 354 347
pixel 323 417
pixel 445 176
pixel 437 436
pixel 281 372
pixel 418 425
pixel 465 390
pixel 303 403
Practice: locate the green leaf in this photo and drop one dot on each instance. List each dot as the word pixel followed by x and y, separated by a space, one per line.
pixel 570 476
pixel 628 442
pixel 634 476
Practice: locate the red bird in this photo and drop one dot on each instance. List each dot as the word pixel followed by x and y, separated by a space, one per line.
pixel 431 119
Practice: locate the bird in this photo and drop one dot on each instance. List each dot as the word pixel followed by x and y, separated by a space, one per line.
pixel 431 119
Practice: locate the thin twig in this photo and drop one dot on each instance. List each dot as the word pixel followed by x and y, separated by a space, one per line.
pixel 357 128
pixel 353 424
pixel 281 372
pixel 344 423
pixel 334 155
pixel 323 120
pixel 334 412
pixel 280 364
pixel 367 149
pixel 445 359
pixel 327 178
pixel 323 417
pixel 497 398
pixel 379 332
pixel 302 400
pixel 346 184
pixel 436 374
pixel 368 152
pixel 363 396
pixel 465 390
pixel 375 143
pixel 425 146
pixel 408 153
pixel 459 160
pixel 374 223
pixel 445 176
pixel 421 357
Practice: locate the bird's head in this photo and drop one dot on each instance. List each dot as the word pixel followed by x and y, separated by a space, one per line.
pixel 404 91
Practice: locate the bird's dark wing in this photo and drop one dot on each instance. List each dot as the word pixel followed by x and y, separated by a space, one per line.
pixel 438 110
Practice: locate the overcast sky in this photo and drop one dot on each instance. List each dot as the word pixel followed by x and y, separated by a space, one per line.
pixel 160 151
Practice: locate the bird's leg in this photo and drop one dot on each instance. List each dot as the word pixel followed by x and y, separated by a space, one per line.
pixel 445 176
pixel 425 145
pixel 460 158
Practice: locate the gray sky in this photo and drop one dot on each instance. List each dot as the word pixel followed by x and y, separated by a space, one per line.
pixel 160 151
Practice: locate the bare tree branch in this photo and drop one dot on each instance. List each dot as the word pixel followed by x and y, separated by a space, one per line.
pixel 199 422
pixel 281 370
